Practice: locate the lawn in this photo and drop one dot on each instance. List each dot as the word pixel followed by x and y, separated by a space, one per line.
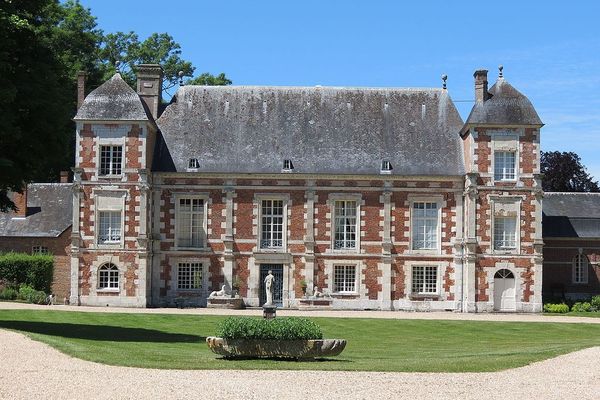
pixel 178 341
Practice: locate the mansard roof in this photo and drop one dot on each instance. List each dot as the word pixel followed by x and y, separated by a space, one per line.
pixel 571 215
pixel 49 212
pixel 331 130
pixel 114 100
pixel 507 106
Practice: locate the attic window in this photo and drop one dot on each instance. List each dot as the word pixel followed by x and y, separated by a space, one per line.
pixel 386 167
pixel 193 163
pixel 287 166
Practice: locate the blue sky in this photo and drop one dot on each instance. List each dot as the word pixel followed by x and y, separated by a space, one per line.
pixel 550 49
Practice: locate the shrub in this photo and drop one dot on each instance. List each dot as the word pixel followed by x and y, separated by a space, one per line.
pixel 34 270
pixel 581 307
pixel 595 302
pixel 556 308
pixel 8 293
pixel 30 295
pixel 269 329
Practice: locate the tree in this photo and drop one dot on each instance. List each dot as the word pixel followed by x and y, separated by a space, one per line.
pixel 207 79
pixel 128 51
pixel 563 172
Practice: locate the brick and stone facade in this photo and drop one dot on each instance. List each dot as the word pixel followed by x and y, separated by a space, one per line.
pixel 377 198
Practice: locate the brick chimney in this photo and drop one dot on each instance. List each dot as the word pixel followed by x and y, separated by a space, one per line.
pixel 64 176
pixel 481 85
pixel 149 85
pixel 20 200
pixel 81 76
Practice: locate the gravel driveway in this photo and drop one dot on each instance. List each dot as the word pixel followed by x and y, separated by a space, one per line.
pixel 29 369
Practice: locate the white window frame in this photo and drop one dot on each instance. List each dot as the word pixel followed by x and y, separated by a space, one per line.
pixel 109 242
pixel 359 287
pixel 512 204
pixel 109 200
pixel 173 283
pixel 424 199
pixel 505 172
pixel 178 277
pixel 504 232
pixel 408 270
pixel 284 200
pixel 192 196
pixel 111 144
pixel 333 199
pixel 108 288
pixel 580 261
pixel 333 278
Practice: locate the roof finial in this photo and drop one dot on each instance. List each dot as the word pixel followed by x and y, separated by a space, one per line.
pixel 117 63
pixel 444 79
pixel 500 68
pixel 180 73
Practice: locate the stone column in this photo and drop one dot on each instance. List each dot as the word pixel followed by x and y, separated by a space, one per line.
pixel 458 253
pixel 469 277
pixel 228 257
pixel 309 242
pixel 538 245
pixel 386 248
pixel 75 237
pixel 157 251
pixel 144 257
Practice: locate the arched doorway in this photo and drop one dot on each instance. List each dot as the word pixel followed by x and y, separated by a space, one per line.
pixel 504 291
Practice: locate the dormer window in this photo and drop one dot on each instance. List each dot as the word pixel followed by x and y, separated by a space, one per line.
pixel 386 167
pixel 193 164
pixel 287 166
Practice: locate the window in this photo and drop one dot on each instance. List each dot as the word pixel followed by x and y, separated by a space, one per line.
pixel 504 165
pixel 108 277
pixel 39 250
pixel 189 276
pixel 580 269
pixel 271 236
pixel 425 279
pixel 386 167
pixel 344 278
pixel 288 166
pixel 109 227
pixel 345 224
pixel 111 158
pixel 425 225
pixel 505 233
pixel 190 223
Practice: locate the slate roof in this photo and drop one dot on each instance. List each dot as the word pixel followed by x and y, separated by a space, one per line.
pixel 49 212
pixel 246 129
pixel 571 215
pixel 507 106
pixel 114 100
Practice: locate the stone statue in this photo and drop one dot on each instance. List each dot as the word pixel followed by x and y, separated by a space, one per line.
pixel 220 293
pixel 316 292
pixel 269 288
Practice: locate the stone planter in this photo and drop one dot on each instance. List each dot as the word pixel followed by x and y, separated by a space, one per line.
pixel 254 348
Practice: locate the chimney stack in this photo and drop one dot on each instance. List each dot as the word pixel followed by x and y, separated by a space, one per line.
pixel 149 86
pixel 81 75
pixel 64 176
pixel 481 85
pixel 20 200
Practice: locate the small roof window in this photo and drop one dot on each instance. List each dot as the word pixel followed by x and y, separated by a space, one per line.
pixel 193 164
pixel 386 167
pixel 288 166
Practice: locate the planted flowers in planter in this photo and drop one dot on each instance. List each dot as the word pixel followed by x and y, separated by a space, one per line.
pixel 298 338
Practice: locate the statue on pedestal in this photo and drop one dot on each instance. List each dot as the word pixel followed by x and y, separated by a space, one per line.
pixel 269 288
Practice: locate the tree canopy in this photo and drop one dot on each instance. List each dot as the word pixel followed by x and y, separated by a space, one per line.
pixel 564 172
pixel 44 43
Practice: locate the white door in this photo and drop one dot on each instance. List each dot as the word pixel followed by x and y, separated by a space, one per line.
pixel 504 291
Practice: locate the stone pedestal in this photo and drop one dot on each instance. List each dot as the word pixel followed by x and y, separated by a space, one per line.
pixel 236 303
pixel 318 303
pixel 269 312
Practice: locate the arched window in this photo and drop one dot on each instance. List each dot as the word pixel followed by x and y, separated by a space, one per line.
pixel 108 276
pixel 504 273
pixel 580 269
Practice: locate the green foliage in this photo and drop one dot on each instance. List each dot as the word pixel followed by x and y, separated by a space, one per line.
pixel 30 295
pixel 595 302
pixel 581 307
pixel 206 79
pixel 8 293
pixel 269 329
pixel 556 308
pixel 33 270
pixel 563 172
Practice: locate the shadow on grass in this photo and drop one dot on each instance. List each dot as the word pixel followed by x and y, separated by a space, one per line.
pixel 285 359
pixel 100 332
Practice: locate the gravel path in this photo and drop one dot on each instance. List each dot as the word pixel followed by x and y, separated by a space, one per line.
pixel 29 369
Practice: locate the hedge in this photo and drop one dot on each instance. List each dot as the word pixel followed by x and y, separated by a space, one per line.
pixel 556 308
pixel 269 329
pixel 33 270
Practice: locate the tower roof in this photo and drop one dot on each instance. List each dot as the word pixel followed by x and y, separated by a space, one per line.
pixel 114 100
